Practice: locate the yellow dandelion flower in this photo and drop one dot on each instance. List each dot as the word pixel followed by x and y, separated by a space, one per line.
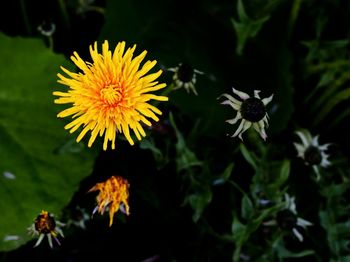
pixel 111 94
pixel 114 194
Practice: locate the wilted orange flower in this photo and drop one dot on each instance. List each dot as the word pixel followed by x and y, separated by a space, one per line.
pixel 114 194
pixel 111 94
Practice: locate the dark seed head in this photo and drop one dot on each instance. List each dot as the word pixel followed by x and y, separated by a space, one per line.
pixel 44 224
pixel 286 219
pixel 46 26
pixel 313 156
pixel 253 109
pixel 185 73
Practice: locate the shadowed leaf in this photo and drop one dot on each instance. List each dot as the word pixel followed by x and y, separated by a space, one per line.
pixel 43 176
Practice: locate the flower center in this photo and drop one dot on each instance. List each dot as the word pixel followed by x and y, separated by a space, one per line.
pixel 253 109
pixel 111 94
pixel 286 219
pixel 185 73
pixel 313 155
pixel 44 224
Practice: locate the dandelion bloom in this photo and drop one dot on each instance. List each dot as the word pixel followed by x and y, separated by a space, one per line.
pixel 46 225
pixel 111 94
pixel 252 111
pixel 114 194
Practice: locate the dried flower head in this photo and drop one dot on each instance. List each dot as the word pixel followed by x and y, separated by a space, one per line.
pixel 312 152
pixel 47 28
pixel 185 76
pixel 111 94
pixel 252 111
pixel 287 219
pixel 46 225
pixel 114 194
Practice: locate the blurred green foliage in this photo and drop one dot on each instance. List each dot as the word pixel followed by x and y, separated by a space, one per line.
pixel 39 169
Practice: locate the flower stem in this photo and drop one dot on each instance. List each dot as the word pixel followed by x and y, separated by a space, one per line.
pixel 64 13
pixel 25 17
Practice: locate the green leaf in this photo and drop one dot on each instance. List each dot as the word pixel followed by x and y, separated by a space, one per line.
pixel 281 177
pixel 328 223
pixel 245 27
pixel 157 154
pixel 254 224
pixel 339 118
pixel 247 208
pixel 224 176
pixel 335 190
pixel 185 158
pixel 36 171
pixel 285 170
pixel 238 231
pixel 282 252
pixel 343 229
pixel 332 102
pixel 295 10
pixel 326 79
pixel 249 157
pixel 199 201
pixel 344 258
pixel 323 50
pixel 285 253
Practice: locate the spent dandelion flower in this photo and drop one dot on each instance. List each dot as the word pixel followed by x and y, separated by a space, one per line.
pixel 46 225
pixel 47 28
pixel 287 219
pixel 251 111
pixel 113 195
pixel 185 76
pixel 111 94
pixel 312 152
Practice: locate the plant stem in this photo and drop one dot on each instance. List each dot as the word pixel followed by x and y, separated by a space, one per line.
pixel 25 17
